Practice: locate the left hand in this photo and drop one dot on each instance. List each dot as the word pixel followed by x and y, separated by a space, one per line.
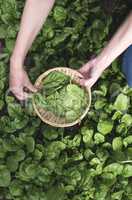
pixel 19 81
pixel 91 73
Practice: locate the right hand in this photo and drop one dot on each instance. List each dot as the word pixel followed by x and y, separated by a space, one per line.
pixel 91 73
pixel 19 81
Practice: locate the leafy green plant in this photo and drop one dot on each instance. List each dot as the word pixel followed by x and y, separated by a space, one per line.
pixel 61 97
pixel 92 161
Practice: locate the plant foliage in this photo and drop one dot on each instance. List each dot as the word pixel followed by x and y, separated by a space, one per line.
pixel 91 162
pixel 61 96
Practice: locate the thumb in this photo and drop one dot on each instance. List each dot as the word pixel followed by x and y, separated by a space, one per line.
pixel 89 82
pixel 84 69
pixel 31 87
pixel 86 82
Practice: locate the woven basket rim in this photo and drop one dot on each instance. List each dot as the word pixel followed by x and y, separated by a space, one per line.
pixel 38 82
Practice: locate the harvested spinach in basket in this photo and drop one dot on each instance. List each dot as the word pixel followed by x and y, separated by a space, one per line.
pixel 61 96
pixel 54 81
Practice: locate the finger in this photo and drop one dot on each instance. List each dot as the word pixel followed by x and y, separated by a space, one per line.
pixel 22 96
pixel 80 75
pixel 89 83
pixel 39 87
pixel 86 73
pixel 31 87
pixel 82 82
pixel 86 82
pixel 83 70
pixel 19 93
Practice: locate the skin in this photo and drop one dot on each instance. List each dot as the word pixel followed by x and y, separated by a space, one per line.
pixel 34 16
pixel 116 46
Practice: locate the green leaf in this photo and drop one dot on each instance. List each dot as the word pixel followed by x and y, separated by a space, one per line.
pixel 127 171
pixel 99 104
pixel 5 176
pixel 114 168
pixel 30 144
pixel 50 133
pixel 117 144
pixel 105 127
pixel 117 115
pixel 19 155
pixel 101 193
pixel 38 154
pixel 2 32
pixel 12 163
pixel 10 45
pixel 117 195
pixel 60 14
pixel 31 170
pixel 58 192
pixel 127 119
pixel 87 136
pixel 94 161
pixel 16 188
pixel 127 140
pixel 122 102
pixel 14 110
pixel 88 153
pixel 99 138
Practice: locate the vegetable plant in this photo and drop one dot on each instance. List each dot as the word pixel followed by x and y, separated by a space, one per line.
pixel 61 97
pixel 92 161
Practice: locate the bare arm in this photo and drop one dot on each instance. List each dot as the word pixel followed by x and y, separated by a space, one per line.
pixel 34 15
pixel 117 45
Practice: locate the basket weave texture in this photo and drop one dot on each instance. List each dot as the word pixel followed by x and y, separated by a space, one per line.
pixel 48 117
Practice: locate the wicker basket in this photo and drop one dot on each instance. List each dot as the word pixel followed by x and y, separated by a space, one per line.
pixel 49 117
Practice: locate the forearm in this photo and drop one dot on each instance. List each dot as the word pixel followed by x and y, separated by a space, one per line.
pixel 120 42
pixel 34 15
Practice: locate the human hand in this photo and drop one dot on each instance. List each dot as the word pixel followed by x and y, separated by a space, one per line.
pixel 19 81
pixel 91 73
